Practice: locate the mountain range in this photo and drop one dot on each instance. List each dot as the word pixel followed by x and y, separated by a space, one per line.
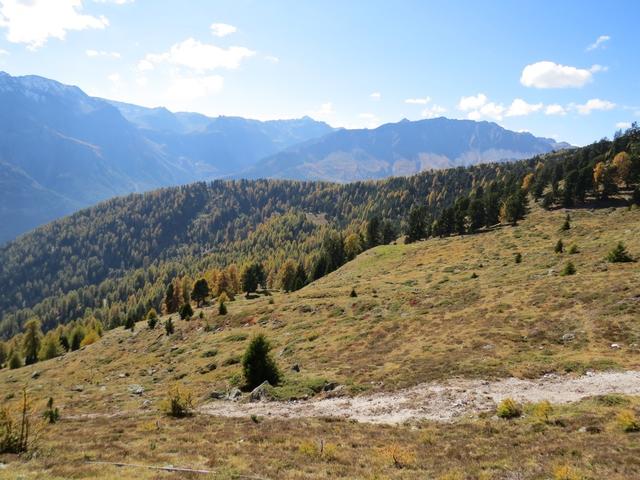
pixel 61 149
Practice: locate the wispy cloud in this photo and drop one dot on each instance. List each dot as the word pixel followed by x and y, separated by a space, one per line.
pixel 375 96
pixel 222 29
pixel 592 105
pixel 102 53
pixel 599 43
pixel 418 101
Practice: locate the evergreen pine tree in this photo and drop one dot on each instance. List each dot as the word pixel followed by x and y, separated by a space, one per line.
pixel 31 341
pixel 257 363
pixel 559 248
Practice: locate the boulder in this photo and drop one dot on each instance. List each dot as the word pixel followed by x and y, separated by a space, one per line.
pixel 261 392
pixel 35 374
pixel 234 394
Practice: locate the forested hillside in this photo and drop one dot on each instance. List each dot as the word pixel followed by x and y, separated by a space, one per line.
pixel 115 261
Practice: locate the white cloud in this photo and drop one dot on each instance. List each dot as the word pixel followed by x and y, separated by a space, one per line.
pixel 117 2
pixel 375 96
pixel 553 75
pixel 325 111
pixel 623 125
pixel 271 59
pixel 520 108
pixel 555 109
pixel 33 22
pixel 102 53
pixel 472 103
pixel 433 111
pixel 594 104
pixel 599 43
pixel 418 101
pixel 189 88
pixel 478 107
pixel 222 29
pixel 115 78
pixel 197 56
pixel 3 52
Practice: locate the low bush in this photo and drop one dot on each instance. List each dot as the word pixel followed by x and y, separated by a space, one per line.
pixel 508 408
pixel 178 404
pixel 628 421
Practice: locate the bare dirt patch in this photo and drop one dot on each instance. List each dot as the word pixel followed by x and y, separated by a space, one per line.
pixel 438 401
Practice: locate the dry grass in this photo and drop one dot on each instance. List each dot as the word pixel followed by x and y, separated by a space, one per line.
pixel 419 316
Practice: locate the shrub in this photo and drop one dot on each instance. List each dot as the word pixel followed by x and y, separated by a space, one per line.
pixel 568 269
pixel 257 363
pixel 559 248
pixel 573 249
pixel 51 414
pixel 474 275
pixel 508 408
pixel 14 435
pixel 542 411
pixel 567 224
pixel 518 257
pixel 186 312
pixel 14 360
pixel 91 337
pixel 565 472
pixel 222 308
pixel 353 293
pixel 152 319
pixel 619 254
pixel 130 324
pixel 178 403
pixel 398 456
pixel 628 421
pixel 168 326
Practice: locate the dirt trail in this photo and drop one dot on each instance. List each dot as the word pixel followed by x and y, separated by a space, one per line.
pixel 445 401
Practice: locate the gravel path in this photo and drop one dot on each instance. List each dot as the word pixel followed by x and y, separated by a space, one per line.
pixel 445 401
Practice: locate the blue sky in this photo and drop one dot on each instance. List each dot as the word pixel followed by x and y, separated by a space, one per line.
pixel 568 70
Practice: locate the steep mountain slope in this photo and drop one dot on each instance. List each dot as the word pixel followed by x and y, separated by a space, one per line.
pixel 420 315
pixel 402 148
pixel 104 252
pixel 223 145
pixel 75 146
pixel 83 149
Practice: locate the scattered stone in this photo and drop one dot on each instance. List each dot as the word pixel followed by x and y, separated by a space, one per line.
pixel 136 389
pixel 146 404
pixel 568 337
pixel 207 368
pixel 261 392
pixel 35 374
pixel 77 388
pixel 329 386
pixel 217 395
pixel 615 345
pixel 339 391
pixel 234 394
pixel 123 375
pixel 295 367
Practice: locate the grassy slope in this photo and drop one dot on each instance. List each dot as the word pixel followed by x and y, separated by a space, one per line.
pixel 419 316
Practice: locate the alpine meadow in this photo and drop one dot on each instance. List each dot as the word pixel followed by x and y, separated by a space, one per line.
pixel 317 240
